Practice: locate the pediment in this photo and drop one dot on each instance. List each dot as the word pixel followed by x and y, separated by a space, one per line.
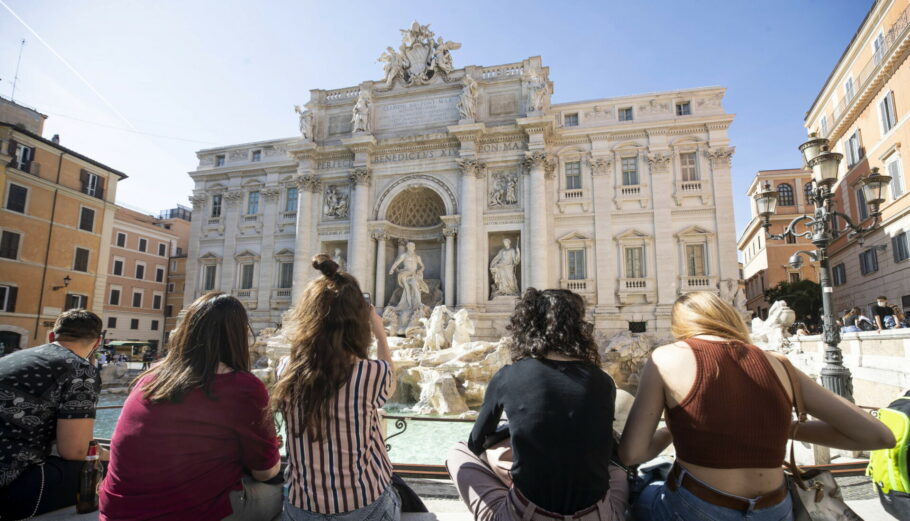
pixel 284 251
pixel 252 182
pixel 694 230
pixel 246 254
pixel 573 236
pixel 210 257
pixel 631 234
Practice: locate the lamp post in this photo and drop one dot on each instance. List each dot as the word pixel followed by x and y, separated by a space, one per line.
pixel 819 229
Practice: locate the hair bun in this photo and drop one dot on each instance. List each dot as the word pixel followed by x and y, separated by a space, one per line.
pixel 325 265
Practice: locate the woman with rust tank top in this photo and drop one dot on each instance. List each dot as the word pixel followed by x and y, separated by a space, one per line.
pixel 728 409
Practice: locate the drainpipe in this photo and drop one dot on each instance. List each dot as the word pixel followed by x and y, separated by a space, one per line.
pixel 47 249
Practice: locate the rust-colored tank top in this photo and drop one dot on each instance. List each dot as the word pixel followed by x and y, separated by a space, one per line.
pixel 737 414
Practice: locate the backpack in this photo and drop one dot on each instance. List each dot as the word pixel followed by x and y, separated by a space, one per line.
pixel 889 468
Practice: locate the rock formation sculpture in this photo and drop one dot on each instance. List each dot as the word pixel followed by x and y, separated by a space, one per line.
pixel 771 333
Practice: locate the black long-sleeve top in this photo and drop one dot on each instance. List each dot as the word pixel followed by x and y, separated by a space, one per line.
pixel 561 422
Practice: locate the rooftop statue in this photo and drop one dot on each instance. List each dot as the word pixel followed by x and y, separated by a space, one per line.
pixel 307 124
pixel 419 59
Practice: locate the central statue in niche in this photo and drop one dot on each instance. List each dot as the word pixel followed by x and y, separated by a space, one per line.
pixel 502 270
pixel 410 279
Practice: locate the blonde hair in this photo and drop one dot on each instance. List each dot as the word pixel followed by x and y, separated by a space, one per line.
pixel 704 313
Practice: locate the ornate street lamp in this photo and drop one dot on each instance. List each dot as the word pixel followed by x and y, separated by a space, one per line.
pixel 819 229
pixel 66 283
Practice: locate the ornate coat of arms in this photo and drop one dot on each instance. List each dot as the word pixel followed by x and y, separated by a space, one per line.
pixel 419 59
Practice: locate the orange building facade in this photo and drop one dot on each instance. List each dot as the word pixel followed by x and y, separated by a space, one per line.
pixel 56 220
pixel 864 111
pixel 765 262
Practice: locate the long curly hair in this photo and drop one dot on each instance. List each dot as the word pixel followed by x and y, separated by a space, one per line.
pixel 551 320
pixel 329 330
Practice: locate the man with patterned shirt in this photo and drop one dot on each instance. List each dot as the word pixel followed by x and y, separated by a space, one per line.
pixel 48 396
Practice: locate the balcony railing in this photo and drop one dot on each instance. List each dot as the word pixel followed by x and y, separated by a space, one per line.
pixel 630 190
pixel 29 167
pixel 895 34
pixel 689 186
pixel 244 293
pixel 250 219
pixel 342 94
pixel 574 193
pixel 578 285
pixel 281 293
pixel 214 221
pixel 502 71
pixel 697 283
pixel 633 284
pixel 289 216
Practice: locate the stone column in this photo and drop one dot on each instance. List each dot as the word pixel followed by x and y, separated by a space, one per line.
pixel 539 166
pixel 271 198
pixel 231 212
pixel 191 283
pixel 359 244
pixel 471 170
pixel 604 250
pixel 381 237
pixel 720 158
pixel 450 233
pixel 307 196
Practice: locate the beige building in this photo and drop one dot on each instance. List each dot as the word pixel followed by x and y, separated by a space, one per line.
pixel 56 216
pixel 178 221
pixel 765 262
pixel 141 247
pixel 864 109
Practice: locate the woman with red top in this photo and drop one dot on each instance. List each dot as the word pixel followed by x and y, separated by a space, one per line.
pixel 329 393
pixel 190 427
pixel 728 411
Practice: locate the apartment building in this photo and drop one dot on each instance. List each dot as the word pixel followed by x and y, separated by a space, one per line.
pixel 56 217
pixel 141 248
pixel 863 110
pixel 765 262
pixel 178 221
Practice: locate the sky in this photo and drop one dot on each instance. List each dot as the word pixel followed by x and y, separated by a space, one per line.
pixel 142 85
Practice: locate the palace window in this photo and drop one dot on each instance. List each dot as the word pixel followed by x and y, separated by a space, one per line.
pixel 794 277
pixel 252 207
pixel 868 261
pixel 15 198
pixel 87 219
pixel 156 301
pixel 216 206
pixel 121 239
pixel 688 166
pixel 635 262
pixel 878 48
pixel 9 245
pixel 625 114
pixel 143 245
pixel 159 274
pixel 683 109
pixel 219 160
pixel 140 271
pixel 168 311
pixel 91 184
pixel 74 301
pixel 285 274
pixel 573 175
pixel 24 157
pixel 893 167
pixel 8 298
pixel 900 247
pixel 112 322
pixel 246 276
pixel 630 171
pixel 807 189
pixel 154 325
pixel 849 91
pixel 570 120
pixel 115 297
pixel 824 125
pixel 162 249
pixel 256 155
pixel 695 260
pixel 784 195
pixel 839 274
pixel 862 210
pixel 208 277
pixel 854 149
pixel 134 323
pixel 137 299
pixel 576 264
pixel 80 260
pixel 887 113
pixel 118 267
pixel 290 201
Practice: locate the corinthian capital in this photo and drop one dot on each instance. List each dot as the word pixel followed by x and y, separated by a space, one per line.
pixel 380 234
pixel 233 197
pixel 600 165
pixel 659 161
pixel 198 201
pixel 361 176
pixel 473 167
pixel 271 194
pixel 720 156
pixel 538 158
pixel 309 183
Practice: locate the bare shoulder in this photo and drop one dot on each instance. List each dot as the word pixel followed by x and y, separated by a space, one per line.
pixel 670 354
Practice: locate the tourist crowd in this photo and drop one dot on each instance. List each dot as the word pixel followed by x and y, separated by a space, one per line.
pixel 884 316
pixel 197 438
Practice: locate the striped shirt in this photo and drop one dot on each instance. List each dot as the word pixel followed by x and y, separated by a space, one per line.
pixel 349 468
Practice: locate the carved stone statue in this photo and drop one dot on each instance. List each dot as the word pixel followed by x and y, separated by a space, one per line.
pixel 336 203
pixel 771 332
pixel 339 260
pixel 419 59
pixel 502 270
pixel 460 329
pixel 537 91
pixel 467 104
pixel 360 117
pixel 505 191
pixel 435 338
pixel 307 124
pixel 410 279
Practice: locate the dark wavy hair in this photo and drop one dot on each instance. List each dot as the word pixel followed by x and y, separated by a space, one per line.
pixel 329 330
pixel 551 320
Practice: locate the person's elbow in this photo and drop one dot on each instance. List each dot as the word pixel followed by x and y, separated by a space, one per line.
pixel 882 439
pixel 267 474
pixel 630 455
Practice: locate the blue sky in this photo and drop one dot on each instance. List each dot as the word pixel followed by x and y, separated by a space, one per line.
pixel 173 77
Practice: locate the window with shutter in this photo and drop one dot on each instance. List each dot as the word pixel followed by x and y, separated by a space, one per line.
pixel 115 297
pixel 87 219
pixel 8 298
pixel 9 245
pixel 15 198
pixel 80 263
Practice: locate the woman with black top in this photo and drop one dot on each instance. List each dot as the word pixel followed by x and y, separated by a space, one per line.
pixel 559 405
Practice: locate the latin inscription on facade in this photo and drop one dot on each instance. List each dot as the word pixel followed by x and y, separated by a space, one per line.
pixel 415 155
pixel 334 163
pixel 417 113
pixel 502 147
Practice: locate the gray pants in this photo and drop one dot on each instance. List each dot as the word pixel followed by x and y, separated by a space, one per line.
pixel 257 501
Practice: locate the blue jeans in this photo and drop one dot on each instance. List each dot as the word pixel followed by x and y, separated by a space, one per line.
pixel 386 508
pixel 659 503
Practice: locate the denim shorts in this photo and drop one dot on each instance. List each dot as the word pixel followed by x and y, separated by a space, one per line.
pixel 659 503
pixel 386 508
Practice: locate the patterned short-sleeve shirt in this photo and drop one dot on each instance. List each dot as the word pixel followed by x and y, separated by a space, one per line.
pixel 38 386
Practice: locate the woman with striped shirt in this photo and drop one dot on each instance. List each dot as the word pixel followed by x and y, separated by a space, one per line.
pixel 329 393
